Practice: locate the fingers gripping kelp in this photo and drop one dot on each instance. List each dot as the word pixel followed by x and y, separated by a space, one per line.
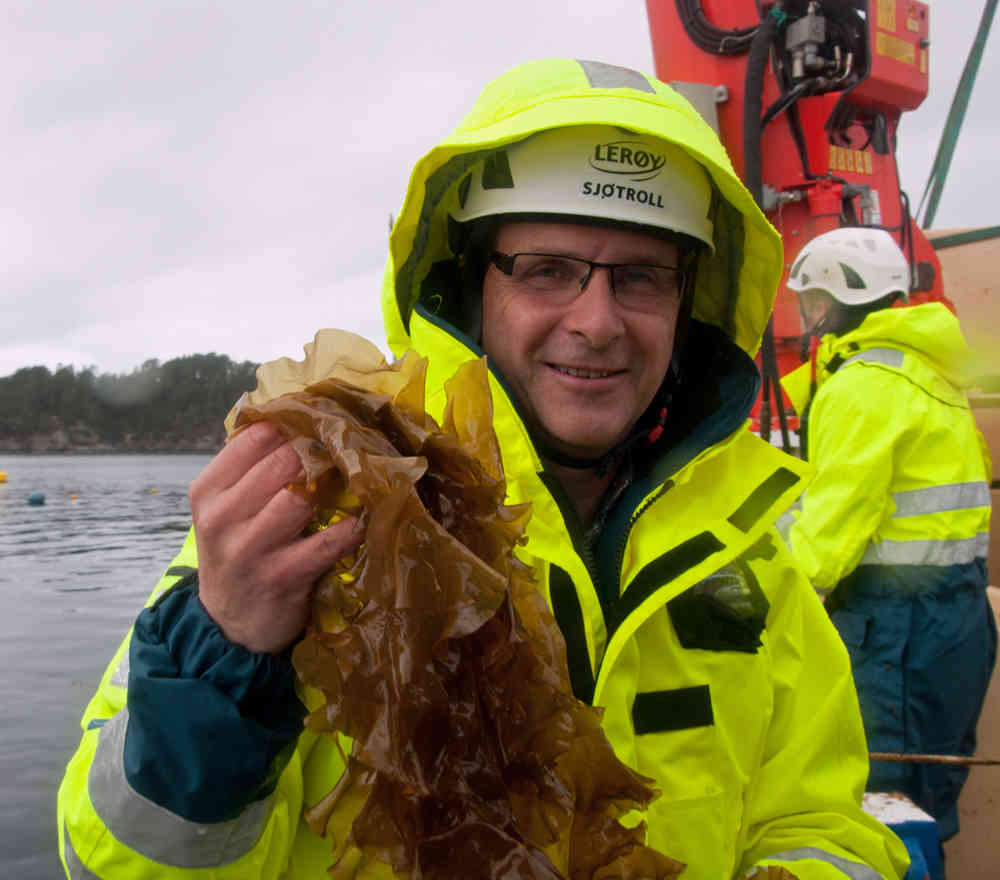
pixel 432 648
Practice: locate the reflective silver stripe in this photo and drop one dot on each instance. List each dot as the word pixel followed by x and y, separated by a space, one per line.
pixel 119 678
pixel 609 76
pixel 155 832
pixel 77 869
pixel 956 552
pixel 785 522
pixel 891 357
pixel 937 499
pixel 854 870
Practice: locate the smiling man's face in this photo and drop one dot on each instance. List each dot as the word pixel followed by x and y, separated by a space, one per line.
pixel 582 373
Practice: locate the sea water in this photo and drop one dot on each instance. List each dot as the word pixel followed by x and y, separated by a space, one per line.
pixel 74 572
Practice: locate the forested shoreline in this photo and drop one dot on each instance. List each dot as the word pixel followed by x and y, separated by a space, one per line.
pixel 176 406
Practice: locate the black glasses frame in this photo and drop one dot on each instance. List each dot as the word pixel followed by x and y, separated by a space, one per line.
pixel 505 263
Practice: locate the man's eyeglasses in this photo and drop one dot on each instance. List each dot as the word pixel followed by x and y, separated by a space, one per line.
pixel 561 279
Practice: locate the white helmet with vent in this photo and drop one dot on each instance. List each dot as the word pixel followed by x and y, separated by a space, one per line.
pixel 855 265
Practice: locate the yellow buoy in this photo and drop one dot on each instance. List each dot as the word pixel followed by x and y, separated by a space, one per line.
pixel 3 476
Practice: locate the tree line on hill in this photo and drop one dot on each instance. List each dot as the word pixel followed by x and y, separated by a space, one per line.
pixel 175 406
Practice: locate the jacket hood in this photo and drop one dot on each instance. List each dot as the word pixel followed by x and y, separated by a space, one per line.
pixel 735 284
pixel 929 331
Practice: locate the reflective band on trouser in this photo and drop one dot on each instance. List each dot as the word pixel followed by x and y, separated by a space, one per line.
pixel 955 552
pixel 854 870
pixel 891 357
pixel 77 869
pixel 938 499
pixel 155 832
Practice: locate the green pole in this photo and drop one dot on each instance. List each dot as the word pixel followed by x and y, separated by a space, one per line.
pixel 942 161
pixel 942 242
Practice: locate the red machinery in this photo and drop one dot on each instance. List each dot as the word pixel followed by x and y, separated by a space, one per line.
pixel 806 96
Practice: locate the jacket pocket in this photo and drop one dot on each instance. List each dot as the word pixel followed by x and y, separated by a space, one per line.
pixel 680 743
pixel 726 611
pixel 699 831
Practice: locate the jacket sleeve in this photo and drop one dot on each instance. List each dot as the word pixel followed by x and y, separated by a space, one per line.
pixel 187 764
pixel 852 433
pixel 803 806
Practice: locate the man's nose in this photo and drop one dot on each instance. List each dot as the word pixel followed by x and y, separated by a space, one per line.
pixel 595 313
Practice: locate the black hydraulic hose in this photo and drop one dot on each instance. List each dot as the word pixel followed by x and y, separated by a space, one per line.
pixel 906 231
pixel 769 361
pixel 709 38
pixel 760 50
pixel 795 127
pixel 785 102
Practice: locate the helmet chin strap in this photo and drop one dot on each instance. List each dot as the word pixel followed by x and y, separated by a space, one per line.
pixel 569 461
pixel 827 324
pixel 815 332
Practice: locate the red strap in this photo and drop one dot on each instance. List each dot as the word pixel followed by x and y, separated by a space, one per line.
pixel 657 431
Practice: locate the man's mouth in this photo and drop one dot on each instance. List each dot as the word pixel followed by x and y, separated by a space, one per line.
pixel 581 373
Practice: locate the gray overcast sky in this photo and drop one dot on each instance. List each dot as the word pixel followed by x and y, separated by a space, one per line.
pixel 188 177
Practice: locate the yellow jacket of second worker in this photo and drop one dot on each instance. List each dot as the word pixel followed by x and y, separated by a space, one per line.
pixel 902 472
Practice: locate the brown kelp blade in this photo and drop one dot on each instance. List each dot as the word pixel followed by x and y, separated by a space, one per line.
pixel 434 651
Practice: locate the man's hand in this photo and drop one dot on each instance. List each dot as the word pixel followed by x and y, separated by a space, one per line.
pixel 255 569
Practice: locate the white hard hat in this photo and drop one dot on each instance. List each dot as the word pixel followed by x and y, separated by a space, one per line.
pixel 855 265
pixel 593 171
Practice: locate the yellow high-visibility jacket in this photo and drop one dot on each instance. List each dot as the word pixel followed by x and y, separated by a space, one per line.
pixel 719 672
pixel 902 472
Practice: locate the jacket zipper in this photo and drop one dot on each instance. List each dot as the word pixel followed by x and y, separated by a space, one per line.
pixel 623 541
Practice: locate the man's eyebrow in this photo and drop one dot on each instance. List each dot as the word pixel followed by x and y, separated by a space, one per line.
pixel 637 256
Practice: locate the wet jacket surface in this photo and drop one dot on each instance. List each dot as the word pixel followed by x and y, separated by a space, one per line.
pixel 685 619
pixel 894 530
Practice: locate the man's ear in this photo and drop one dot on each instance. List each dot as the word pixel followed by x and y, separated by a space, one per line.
pixel 477 240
